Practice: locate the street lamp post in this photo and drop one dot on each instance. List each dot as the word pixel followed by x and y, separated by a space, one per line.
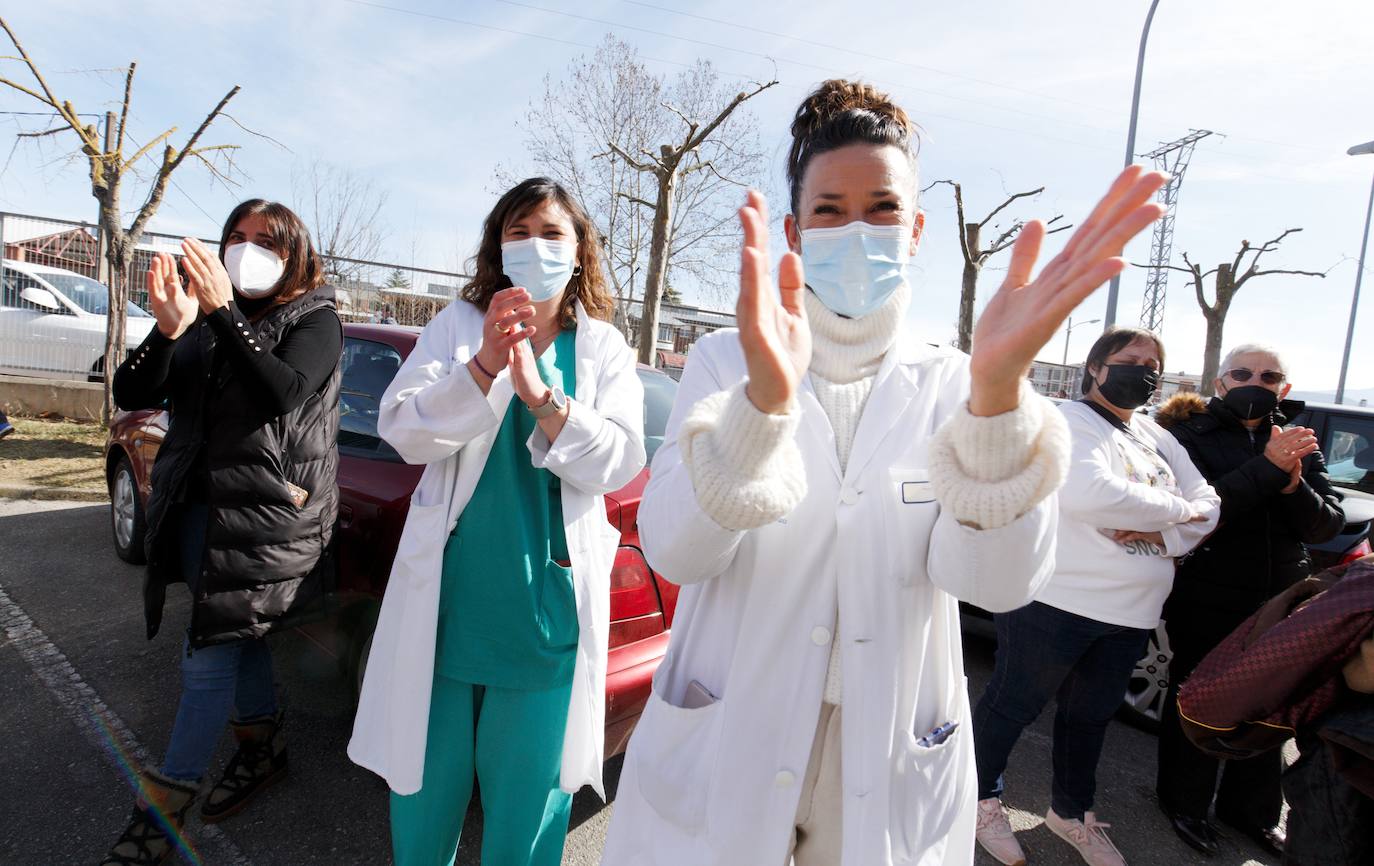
pixel 1130 145
pixel 1069 330
pixel 1357 150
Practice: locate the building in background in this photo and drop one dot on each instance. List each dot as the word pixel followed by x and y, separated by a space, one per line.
pixel 679 326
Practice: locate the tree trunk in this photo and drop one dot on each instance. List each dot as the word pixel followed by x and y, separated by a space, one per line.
pixel 658 265
pixel 1211 355
pixel 969 294
pixel 119 255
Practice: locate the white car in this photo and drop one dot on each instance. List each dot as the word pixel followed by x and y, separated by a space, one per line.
pixel 52 323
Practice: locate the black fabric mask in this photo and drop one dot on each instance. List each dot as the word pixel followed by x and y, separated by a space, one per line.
pixel 1251 402
pixel 1129 386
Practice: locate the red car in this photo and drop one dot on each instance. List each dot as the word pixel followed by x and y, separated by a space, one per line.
pixel 374 495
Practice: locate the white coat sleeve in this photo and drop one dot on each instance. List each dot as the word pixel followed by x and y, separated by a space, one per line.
pixel 1183 537
pixel 434 407
pixel 1003 566
pixel 1097 495
pixel 601 446
pixel 680 540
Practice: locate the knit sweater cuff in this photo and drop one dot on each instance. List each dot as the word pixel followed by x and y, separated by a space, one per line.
pixel 988 471
pixel 745 465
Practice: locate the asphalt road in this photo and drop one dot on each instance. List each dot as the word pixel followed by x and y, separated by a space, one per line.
pixel 84 697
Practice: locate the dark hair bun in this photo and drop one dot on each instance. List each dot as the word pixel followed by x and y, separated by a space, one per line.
pixel 841 112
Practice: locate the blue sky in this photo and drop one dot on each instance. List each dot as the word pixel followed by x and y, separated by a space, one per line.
pixel 1012 96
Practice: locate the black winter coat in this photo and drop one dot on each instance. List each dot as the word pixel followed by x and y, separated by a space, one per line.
pixel 1258 549
pixel 266 562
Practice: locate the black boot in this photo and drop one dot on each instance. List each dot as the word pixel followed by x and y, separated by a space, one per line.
pixel 154 827
pixel 260 761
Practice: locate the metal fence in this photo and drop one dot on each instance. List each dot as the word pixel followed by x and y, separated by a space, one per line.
pixel 54 301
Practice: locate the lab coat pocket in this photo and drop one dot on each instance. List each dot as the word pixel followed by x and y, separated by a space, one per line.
pixel 420 552
pixel 909 512
pixel 675 757
pixel 927 793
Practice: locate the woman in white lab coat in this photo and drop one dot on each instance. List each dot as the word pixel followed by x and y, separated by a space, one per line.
pixel 830 485
pixel 489 659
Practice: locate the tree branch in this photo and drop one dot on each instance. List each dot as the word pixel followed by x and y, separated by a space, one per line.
pixel 54 131
pixel 631 161
pixel 959 209
pixel 1004 204
pixel 124 109
pixel 694 141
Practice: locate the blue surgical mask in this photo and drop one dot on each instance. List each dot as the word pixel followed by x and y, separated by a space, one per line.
pixel 542 267
pixel 855 268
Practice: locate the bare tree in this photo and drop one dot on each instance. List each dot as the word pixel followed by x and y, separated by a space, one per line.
pixel 108 169
pixel 618 136
pixel 975 255
pixel 344 213
pixel 1230 277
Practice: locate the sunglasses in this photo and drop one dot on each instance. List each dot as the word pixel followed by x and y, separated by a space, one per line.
pixel 1268 377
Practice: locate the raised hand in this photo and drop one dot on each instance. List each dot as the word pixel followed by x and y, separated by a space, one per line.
pixel 174 310
pixel 524 375
pixel 209 280
pixel 1026 314
pixel 772 329
pixel 501 328
pixel 1287 448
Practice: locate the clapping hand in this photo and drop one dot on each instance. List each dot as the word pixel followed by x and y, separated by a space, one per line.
pixel 210 282
pixel 773 330
pixel 1025 314
pixel 173 308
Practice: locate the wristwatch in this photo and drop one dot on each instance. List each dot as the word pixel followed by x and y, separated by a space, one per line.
pixel 552 406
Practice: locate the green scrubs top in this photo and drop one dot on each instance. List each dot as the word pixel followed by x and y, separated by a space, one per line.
pixel 507 612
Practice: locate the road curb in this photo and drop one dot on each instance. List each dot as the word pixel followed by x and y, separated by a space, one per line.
pixel 68 494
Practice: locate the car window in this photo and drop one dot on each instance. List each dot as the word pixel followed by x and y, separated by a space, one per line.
pixel 659 392
pixel 368 367
pixel 15 284
pixel 90 295
pixel 1349 451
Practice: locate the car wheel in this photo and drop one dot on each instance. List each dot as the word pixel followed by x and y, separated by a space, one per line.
pixel 126 514
pixel 97 373
pixel 1149 686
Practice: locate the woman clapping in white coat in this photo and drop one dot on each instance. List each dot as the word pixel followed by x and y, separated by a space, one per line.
pixel 828 488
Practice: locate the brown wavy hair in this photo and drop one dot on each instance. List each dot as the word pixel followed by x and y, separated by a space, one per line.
pixel 588 283
pixel 841 112
pixel 304 270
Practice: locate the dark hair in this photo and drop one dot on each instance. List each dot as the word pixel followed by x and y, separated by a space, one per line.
pixel 838 113
pixel 304 271
pixel 1113 340
pixel 587 285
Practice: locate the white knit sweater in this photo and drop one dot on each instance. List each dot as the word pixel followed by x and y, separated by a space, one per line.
pixel 747 470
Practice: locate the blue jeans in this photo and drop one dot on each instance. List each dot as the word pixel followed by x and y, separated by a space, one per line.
pixel 1044 652
pixel 214 679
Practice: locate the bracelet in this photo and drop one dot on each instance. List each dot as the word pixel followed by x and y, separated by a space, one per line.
pixel 484 370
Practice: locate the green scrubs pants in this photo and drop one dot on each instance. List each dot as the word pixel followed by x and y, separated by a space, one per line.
pixel 511 741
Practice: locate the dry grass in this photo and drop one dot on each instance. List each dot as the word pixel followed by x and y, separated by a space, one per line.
pixel 53 455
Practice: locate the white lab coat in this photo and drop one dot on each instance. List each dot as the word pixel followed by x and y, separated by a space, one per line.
pixel 718 785
pixel 434 413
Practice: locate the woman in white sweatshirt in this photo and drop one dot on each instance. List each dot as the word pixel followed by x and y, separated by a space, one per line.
pixel 828 487
pixel 1132 503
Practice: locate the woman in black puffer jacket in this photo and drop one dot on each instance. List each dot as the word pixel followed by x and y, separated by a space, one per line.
pixel 244 494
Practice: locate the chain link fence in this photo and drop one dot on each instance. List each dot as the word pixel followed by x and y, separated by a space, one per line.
pixel 54 301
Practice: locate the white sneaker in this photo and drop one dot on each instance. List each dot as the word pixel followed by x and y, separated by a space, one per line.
pixel 995 833
pixel 1088 836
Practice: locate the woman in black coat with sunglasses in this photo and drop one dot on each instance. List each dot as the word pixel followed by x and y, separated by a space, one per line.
pixel 1275 499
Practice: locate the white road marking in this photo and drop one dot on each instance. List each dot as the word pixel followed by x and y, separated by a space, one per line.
pixel 84 707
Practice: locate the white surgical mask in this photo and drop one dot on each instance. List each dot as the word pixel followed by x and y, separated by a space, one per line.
pixel 253 270
pixel 855 268
pixel 540 266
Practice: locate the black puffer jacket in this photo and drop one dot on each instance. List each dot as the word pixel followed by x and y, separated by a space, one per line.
pixel 266 562
pixel 1258 550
